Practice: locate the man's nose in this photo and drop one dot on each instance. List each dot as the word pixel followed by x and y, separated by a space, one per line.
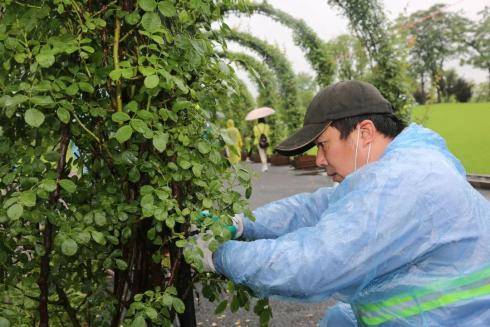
pixel 321 161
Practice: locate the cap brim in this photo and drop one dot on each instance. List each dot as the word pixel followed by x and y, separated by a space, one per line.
pixel 302 140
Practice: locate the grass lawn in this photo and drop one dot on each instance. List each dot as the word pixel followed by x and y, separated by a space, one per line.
pixel 466 128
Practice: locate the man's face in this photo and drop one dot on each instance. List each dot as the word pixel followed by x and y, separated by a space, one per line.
pixel 334 154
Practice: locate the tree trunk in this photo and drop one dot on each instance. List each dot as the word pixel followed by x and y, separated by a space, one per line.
pixel 43 280
pixel 182 274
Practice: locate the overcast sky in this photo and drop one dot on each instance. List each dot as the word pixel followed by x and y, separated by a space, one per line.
pixel 328 23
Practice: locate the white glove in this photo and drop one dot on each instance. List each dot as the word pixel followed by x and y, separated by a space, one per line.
pixel 238 223
pixel 207 260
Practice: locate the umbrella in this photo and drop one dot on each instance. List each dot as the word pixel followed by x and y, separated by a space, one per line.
pixel 259 113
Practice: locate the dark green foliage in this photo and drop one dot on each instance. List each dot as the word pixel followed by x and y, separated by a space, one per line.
pixel 462 90
pixel 101 237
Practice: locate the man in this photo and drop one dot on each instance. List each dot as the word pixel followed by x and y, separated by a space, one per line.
pixel 403 240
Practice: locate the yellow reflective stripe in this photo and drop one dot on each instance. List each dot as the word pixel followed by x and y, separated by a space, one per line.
pixel 436 287
pixel 443 300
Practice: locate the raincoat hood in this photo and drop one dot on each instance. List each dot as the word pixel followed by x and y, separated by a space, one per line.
pixel 230 123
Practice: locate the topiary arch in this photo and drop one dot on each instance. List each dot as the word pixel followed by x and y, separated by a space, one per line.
pixel 264 78
pixel 315 49
pixel 287 80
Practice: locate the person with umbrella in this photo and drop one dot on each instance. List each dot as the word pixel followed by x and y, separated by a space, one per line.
pixel 403 240
pixel 261 132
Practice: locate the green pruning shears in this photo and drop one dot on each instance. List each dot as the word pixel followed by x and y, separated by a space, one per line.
pixel 206 214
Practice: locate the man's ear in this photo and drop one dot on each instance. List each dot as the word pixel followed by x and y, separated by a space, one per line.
pixel 368 131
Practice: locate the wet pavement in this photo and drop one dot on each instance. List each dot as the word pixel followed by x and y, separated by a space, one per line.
pixel 278 182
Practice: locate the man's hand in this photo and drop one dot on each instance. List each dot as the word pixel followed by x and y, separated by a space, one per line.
pixel 207 260
pixel 238 224
pixel 236 229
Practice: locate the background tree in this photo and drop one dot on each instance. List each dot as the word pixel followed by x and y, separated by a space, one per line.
pixel 435 35
pixel 389 72
pixel 307 88
pixel 477 41
pixel 350 56
pixel 454 88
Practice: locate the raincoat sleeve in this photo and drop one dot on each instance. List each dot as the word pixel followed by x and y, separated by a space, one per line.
pixel 283 216
pixel 373 229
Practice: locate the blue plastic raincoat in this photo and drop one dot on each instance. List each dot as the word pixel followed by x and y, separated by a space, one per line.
pixel 404 241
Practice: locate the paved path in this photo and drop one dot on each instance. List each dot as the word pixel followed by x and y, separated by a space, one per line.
pixel 277 183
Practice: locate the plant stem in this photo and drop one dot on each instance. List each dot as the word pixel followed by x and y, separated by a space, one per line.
pixel 117 35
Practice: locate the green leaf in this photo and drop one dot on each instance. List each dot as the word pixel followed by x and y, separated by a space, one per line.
pixel 86 87
pixel 4 322
pixel 151 81
pixel 243 175
pixel 63 115
pixel 72 89
pixel 221 307
pixel 68 185
pixel 100 218
pixel 235 304
pixel 203 147
pixel 138 322
pixel 178 305
pixel 139 125
pixel 98 237
pixel 124 133
pixel 207 203
pixel 121 264
pixel 83 237
pixel 133 18
pixel 184 164
pixel 20 57
pixel 120 117
pixel 146 70
pixel 160 141
pixel 45 59
pixel 131 106
pixel 167 8
pixel 49 185
pixel 28 198
pixel 34 117
pixel 115 74
pixel 151 313
pixel 197 170
pixel 42 101
pixel 248 192
pixel 147 5
pixel 69 247
pixel 151 22
pixel 134 174
pixel 15 211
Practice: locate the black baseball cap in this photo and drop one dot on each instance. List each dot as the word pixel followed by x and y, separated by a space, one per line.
pixel 340 100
